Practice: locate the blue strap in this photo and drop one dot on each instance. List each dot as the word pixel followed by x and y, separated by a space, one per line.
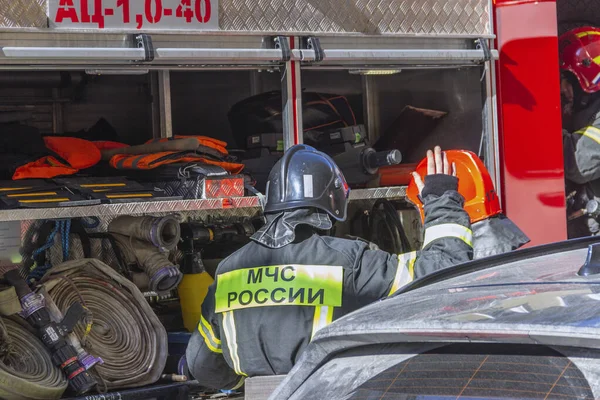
pixel 64 226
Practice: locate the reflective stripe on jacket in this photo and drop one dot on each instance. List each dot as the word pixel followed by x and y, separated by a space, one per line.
pixel 581 147
pixel 266 304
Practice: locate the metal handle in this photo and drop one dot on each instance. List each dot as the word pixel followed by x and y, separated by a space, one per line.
pixel 220 55
pixel 395 55
pixel 69 53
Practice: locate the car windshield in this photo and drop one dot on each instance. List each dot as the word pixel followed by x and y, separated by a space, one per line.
pixel 452 371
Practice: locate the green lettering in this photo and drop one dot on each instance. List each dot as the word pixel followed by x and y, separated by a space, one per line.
pixel 242 301
pixel 292 276
pixel 281 299
pixel 264 300
pixel 255 276
pixel 274 275
pixel 231 296
pixel 294 296
pixel 320 293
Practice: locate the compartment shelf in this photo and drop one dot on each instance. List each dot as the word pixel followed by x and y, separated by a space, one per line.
pixel 171 206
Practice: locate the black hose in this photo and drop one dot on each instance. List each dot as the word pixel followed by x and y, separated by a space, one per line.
pixel 383 227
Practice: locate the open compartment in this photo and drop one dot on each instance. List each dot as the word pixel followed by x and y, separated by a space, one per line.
pixel 153 85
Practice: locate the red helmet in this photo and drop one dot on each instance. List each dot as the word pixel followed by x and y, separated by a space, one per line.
pixel 474 183
pixel 579 53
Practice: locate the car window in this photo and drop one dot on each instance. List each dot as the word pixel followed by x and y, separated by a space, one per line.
pixel 456 371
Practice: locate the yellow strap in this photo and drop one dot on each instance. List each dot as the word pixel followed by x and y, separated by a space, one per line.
pixel 448 230
pixel 128 195
pixel 102 185
pixel 231 336
pixel 32 194
pixel 45 200
pixel 405 273
pixel 323 317
pixel 590 132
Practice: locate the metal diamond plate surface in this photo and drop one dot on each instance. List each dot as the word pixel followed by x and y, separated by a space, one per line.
pixel 374 17
pixel 390 193
pixel 448 17
pixel 23 14
pixel 110 210
pixel 192 209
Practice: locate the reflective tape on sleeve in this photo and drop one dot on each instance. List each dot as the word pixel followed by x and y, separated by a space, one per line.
pixel 210 339
pixel 280 285
pixel 405 273
pixel 590 132
pixel 448 231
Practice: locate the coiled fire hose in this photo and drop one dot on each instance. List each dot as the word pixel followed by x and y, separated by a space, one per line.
pixel 124 332
pixel 26 369
pixel 162 232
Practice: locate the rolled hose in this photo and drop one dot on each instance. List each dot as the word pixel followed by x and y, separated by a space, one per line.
pixel 386 229
pixel 26 369
pixel 125 332
pixel 163 275
pixel 162 232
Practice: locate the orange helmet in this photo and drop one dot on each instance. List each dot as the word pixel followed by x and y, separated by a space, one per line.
pixel 474 183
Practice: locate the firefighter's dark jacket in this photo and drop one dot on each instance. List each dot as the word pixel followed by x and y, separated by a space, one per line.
pixel 582 146
pixel 267 303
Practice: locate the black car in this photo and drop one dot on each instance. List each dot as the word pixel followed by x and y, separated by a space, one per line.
pixel 523 325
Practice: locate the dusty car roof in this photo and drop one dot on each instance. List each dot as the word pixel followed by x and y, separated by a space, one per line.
pixel 538 300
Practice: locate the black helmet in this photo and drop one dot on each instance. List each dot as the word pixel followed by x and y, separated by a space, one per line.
pixel 305 178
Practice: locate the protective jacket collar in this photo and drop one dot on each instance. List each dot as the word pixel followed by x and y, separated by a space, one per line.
pixel 280 227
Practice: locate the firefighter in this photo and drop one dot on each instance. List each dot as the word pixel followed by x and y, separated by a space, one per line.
pixel 580 86
pixel 270 297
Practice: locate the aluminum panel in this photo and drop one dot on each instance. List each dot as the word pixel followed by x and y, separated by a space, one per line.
pixel 437 17
pixel 139 208
pixel 390 193
pixel 192 209
pixel 373 17
pixel 23 14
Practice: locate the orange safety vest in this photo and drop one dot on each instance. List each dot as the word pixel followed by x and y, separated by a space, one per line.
pixel 215 144
pixel 154 160
pixel 151 161
pixel 75 154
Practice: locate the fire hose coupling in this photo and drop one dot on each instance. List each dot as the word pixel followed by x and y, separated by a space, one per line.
pixel 165 279
pixel 53 334
pixel 31 303
pixel 161 232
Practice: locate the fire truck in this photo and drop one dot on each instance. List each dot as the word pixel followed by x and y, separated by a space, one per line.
pixel 484 72
pixel 158 68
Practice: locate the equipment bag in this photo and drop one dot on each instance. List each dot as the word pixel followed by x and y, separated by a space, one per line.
pixel 263 114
